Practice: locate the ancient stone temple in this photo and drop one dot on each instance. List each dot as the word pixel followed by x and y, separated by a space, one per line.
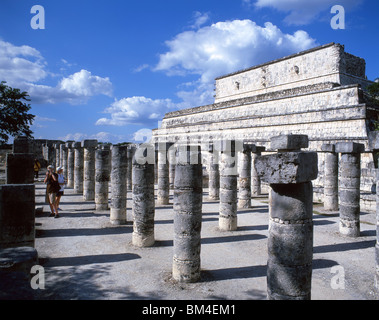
pixel 319 93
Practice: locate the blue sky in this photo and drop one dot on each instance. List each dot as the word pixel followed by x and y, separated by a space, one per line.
pixel 111 69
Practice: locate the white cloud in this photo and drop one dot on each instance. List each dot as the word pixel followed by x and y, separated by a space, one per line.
pixel 225 47
pixel 303 12
pixel 199 19
pixel 23 67
pixel 84 84
pixel 136 110
pixel 20 63
pixel 228 46
pixel 100 136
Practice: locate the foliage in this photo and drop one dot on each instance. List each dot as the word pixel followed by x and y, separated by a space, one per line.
pixel 14 116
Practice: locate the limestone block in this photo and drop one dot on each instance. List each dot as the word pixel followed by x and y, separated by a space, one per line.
pixel 288 167
pixel 289 142
pixel 89 143
pixel 349 147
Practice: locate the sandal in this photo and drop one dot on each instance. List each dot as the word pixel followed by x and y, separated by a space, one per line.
pixel 56 216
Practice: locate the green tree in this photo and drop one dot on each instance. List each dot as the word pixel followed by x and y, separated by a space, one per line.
pixel 14 116
pixel 373 90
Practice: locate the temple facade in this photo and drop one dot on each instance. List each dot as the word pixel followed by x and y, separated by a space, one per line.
pixel 318 92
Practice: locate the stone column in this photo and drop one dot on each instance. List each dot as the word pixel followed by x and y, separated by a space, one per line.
pixel 214 173
pixel 228 186
pixel 171 156
pixel 89 169
pixel 374 147
pixel 17 215
pixel 102 177
pixel 187 214
pixel 330 177
pixel 19 168
pixel 349 187
pixel 70 163
pixel 255 180
pixel 22 144
pixel 143 201
pixel 49 153
pixel 163 196
pixel 57 155
pixel 78 167
pixel 244 194
pixel 290 238
pixel 130 155
pixel 118 184
pixel 63 154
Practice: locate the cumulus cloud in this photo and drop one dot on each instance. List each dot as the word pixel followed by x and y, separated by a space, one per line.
pixel 225 47
pixel 23 67
pixel 207 52
pixel 136 110
pixel 21 63
pixel 100 136
pixel 302 12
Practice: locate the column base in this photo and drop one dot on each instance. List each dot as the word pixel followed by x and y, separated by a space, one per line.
pixel 185 271
pixel 140 240
pixel 227 223
pixel 349 228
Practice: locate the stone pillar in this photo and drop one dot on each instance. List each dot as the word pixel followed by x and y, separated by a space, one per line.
pixel 64 163
pixel 228 186
pixel 22 144
pixel 89 169
pixel 19 168
pixel 187 214
pixel 330 177
pixel 130 155
pixel 102 177
pixel 349 187
pixel 171 156
pixel 70 163
pixel 78 167
pixel 143 201
pixel 244 194
pixel 163 196
pixel 17 215
pixel 290 240
pixel 255 180
pixel 214 173
pixel 118 184
pixel 374 147
pixel 57 155
pixel 49 153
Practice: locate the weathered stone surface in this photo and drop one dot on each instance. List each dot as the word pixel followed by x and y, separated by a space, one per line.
pixel 143 204
pixel 288 167
pixel 78 167
pixel 349 147
pixel 289 142
pixel 20 168
pixel 188 216
pixel 102 178
pixel 17 215
pixel 330 177
pixel 89 143
pixel 349 191
pixel 89 169
pixel 118 184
